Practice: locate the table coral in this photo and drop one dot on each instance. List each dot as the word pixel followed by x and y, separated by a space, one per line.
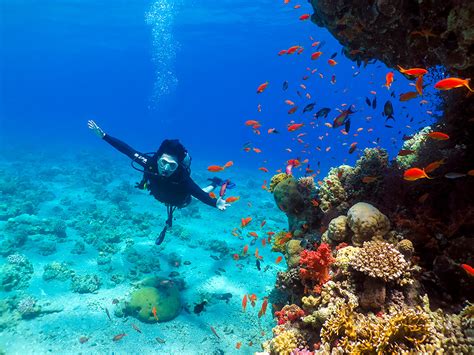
pixel 367 223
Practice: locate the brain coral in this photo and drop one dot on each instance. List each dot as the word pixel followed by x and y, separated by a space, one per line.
pixel 379 260
pixel 366 222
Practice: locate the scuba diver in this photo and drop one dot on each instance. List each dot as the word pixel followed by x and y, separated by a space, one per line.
pixel 166 174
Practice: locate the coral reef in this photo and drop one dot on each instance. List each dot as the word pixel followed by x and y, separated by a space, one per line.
pixel 154 293
pixel 16 274
pixel 367 223
pixel 57 271
pixel 85 283
pixel 314 265
pixel 276 179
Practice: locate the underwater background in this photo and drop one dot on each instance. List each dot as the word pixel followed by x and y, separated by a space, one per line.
pixel 80 270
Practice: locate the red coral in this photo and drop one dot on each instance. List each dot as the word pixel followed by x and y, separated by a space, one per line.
pixel 289 313
pixel 314 265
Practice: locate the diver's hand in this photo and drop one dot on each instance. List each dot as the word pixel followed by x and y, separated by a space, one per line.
pixel 221 204
pixel 96 129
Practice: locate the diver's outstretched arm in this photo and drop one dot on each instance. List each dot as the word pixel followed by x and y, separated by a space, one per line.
pixel 119 145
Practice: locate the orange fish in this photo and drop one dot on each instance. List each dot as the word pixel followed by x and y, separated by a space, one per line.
pixel 278 260
pixel 297 6
pixel 304 17
pixel 272 130
pixel 245 249
pixel 264 307
pixel 419 72
pixel 253 299
pixel 238 345
pixel 332 62
pixel 469 269
pixel 314 202
pixel 415 174
pixel 289 102
pixel 215 168
pixel 261 88
pixel 264 242
pixel 212 195
pixel 251 123
pixel 438 136
pixel 232 199
pixel 265 170
pixel 292 49
pixel 153 310
pixel 257 150
pixel 408 95
pixel 388 80
pixel 245 221
pixel 118 337
pixel 228 164
pixel 292 110
pixel 451 83
pixel 316 55
pixel 419 85
pixel 257 255
pixel 235 257
pixel 294 127
pixel 244 303
pixel 434 165
pixel 283 51
pixel 253 234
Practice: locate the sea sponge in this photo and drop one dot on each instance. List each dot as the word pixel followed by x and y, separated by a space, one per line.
pixel 293 249
pixel 367 222
pixel 306 184
pixel 338 230
pixel 379 260
pixel 405 247
pixel 154 292
pixel 276 179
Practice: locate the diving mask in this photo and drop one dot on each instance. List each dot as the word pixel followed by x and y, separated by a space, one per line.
pixel 167 165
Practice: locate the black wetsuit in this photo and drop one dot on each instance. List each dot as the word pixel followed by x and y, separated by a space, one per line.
pixel 175 190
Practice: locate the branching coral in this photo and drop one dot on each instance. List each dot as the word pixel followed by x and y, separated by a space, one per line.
pixel 314 265
pixel 379 260
pixel 284 343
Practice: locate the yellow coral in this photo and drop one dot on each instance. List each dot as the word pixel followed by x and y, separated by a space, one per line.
pixel 276 179
pixel 284 343
pixel 279 241
pixel 292 252
pixel 344 255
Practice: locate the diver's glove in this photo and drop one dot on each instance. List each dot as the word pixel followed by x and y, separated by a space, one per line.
pixel 96 129
pixel 221 204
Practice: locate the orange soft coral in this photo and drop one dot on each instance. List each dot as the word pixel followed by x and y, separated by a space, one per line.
pixel 314 265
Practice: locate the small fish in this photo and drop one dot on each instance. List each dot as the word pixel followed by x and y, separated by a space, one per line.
pixel 232 199
pixel 408 95
pixel 469 269
pixel 292 110
pixel 405 152
pixel 257 263
pixel 316 55
pixel 214 331
pixel 454 175
pixel 304 17
pixel 261 88
pixel 292 49
pixel 418 72
pixel 414 174
pixel 347 126
pixel 388 80
pixel 333 55
pixel 244 303
pixel 353 147
pixel 374 103
pixel 278 260
pixel 342 118
pixel 215 168
pixel 228 164
pixel 238 345
pixel 245 249
pixel 438 136
pixel 153 310
pixel 309 107
pixel 160 340
pixel 323 112
pixel 451 83
pixel 118 337
pixel 388 110
pixel 83 340
pixel 295 126
pixel 332 62
pixel 369 179
pixel 367 101
pixel 136 328
pixel 434 165
pixel 285 85
pixel 419 85
pixel 108 314
pixel 199 307
pixel 263 309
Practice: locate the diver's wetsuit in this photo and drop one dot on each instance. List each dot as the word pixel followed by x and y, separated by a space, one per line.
pixel 175 190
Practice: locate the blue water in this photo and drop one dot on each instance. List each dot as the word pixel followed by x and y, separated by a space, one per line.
pixel 150 70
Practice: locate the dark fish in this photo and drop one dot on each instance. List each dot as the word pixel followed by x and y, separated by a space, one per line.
pixel 136 328
pixel 374 103
pixel 321 45
pixel 160 340
pixel 224 296
pixel 198 308
pixel 342 118
pixel 367 101
pixel 347 126
pixel 285 85
pixel 108 314
pixel 257 262
pixel 299 94
pixel 333 55
pixel 388 126
pixel 215 333
pixel 215 257
pixel 83 340
pixel 309 107
pixel 388 110
pixel 323 112
pixel 115 301
pixel 392 94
